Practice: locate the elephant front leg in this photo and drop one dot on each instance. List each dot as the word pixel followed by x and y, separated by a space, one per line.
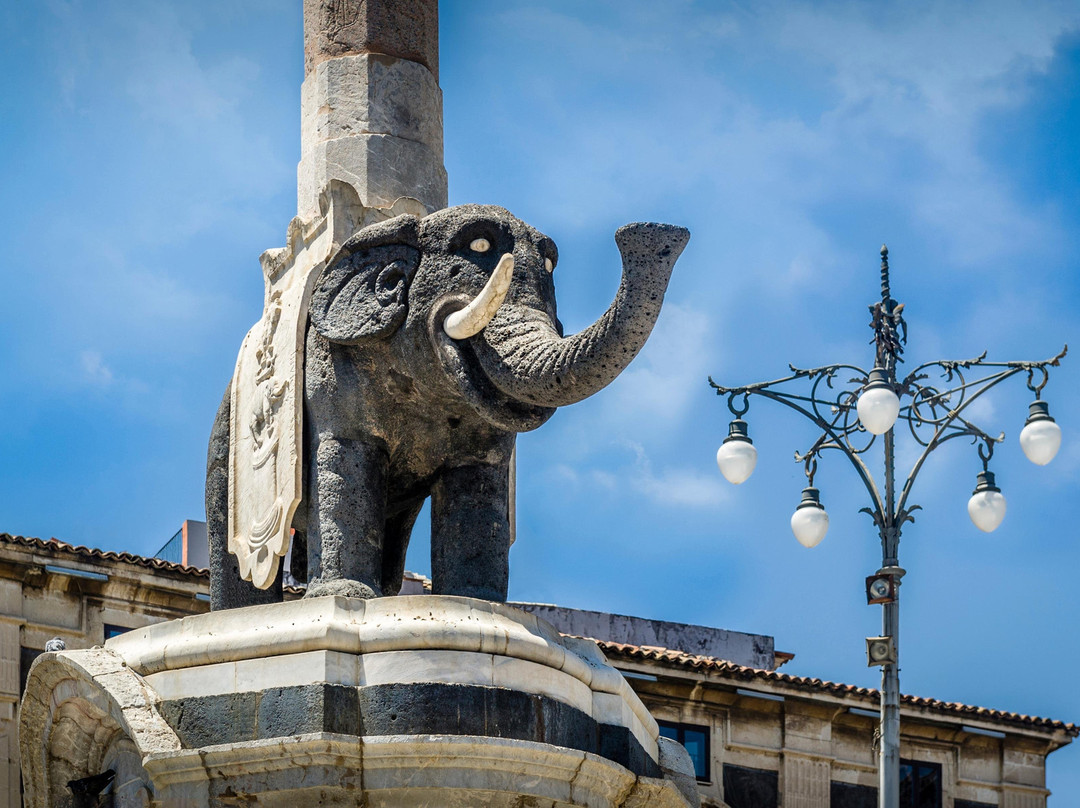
pixel 345 543
pixel 470 532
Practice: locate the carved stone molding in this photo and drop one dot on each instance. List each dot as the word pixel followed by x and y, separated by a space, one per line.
pixel 265 440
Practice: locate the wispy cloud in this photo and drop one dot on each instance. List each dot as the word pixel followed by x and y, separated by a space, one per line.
pixel 95 371
pixel 158 161
pixel 660 384
pixel 921 78
pixel 665 485
pixel 673 487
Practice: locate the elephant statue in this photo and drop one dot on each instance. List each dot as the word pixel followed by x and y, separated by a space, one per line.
pixel 430 343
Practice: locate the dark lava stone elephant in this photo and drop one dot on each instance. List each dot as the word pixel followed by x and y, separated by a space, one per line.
pixel 431 343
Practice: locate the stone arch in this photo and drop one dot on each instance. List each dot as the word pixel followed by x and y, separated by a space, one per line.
pixel 85 712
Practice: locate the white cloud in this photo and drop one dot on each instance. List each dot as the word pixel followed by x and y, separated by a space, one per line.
pixel 667 375
pixel 895 122
pixel 174 99
pixel 605 479
pixel 980 411
pixel 680 487
pixel 672 487
pixel 638 476
pixel 565 473
pixel 94 369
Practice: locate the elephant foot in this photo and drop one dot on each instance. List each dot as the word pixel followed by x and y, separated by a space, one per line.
pixel 341 588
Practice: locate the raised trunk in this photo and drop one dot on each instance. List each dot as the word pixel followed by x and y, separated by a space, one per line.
pixel 524 356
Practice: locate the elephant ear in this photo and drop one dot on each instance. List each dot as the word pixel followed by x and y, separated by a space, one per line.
pixel 362 292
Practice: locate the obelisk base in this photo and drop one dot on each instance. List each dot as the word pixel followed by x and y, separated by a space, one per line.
pixel 408 701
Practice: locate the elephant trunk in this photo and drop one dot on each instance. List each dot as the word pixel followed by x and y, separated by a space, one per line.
pixel 524 356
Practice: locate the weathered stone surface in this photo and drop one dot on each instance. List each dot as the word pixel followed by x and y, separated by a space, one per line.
pixel 374 122
pixel 382 168
pixel 250 675
pixel 415 639
pixel 395 771
pixel 331 743
pixel 396 411
pixel 209 720
pixel 84 712
pixel 371 95
pixel 408 29
pixel 619 744
pixel 510 349
pixel 806 780
pixel 445 709
pixel 678 768
pixel 254 458
pixel 264 433
pixel 311 708
pixel 227 585
pixel 9 660
pixel 752 650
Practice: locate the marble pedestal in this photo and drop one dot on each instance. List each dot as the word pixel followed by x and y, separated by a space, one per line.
pixel 408 701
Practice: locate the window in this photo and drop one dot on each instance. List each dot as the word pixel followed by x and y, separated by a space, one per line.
pixel 849 795
pixel 751 788
pixel 920 784
pixel 115 631
pixel 173 550
pixel 696 741
pixel 920 787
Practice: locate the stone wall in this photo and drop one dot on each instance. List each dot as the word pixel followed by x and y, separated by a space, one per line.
pixel 752 650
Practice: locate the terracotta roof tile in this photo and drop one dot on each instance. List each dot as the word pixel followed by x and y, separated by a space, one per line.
pixel 93 554
pixel 740 672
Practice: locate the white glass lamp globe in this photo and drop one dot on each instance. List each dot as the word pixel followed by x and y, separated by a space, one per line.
pixel 987 505
pixel 810 522
pixel 737 456
pixel 1041 436
pixel 878 406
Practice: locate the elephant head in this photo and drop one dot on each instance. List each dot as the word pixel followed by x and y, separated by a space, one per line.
pixel 468 295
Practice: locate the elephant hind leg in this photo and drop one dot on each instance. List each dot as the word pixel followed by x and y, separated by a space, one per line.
pixel 227 589
pixel 395 544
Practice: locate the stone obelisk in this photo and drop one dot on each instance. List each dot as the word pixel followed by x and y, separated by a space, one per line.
pixel 371 104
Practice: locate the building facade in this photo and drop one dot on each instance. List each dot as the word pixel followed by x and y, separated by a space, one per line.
pixel 759 738
pixel 765 739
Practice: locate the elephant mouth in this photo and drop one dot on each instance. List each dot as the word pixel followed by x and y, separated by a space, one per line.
pixel 460 363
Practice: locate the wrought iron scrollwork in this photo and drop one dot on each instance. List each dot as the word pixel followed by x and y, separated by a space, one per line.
pixel 933 412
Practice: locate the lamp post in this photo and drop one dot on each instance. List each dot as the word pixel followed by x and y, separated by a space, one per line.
pixel 852 407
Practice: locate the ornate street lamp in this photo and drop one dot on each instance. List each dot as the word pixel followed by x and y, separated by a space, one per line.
pixel 852 407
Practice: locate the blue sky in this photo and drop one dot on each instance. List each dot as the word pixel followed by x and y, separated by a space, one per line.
pixel 149 154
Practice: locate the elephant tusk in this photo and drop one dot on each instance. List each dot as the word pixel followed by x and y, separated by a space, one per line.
pixel 472 319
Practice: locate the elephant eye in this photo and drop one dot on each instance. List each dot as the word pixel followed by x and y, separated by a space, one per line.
pixel 550 267
pixel 480 245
